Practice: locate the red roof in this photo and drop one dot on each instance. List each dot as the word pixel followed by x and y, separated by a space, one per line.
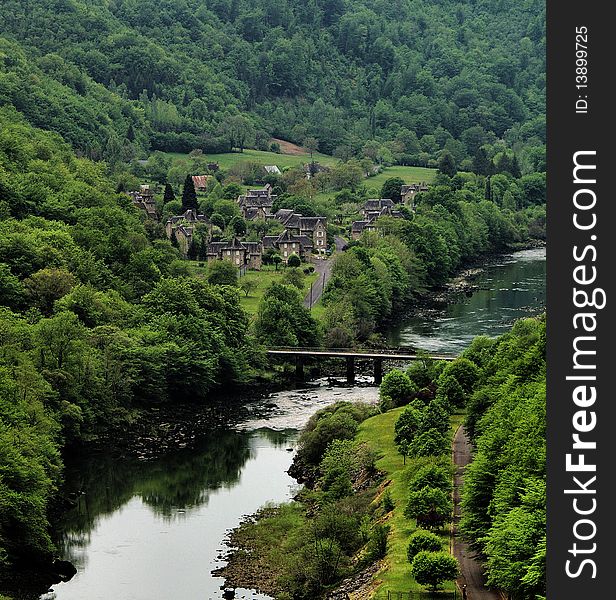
pixel 200 181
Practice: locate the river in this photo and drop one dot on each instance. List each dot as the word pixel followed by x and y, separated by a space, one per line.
pixel 155 529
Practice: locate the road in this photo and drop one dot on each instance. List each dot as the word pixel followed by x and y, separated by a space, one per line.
pixel 471 569
pixel 324 269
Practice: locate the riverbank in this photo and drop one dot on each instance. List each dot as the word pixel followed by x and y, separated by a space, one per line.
pixel 260 547
pixel 433 303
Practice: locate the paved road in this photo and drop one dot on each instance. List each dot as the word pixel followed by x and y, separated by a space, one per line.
pixel 324 269
pixel 471 569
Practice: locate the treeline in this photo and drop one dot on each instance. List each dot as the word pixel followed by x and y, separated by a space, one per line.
pixel 398 82
pixel 453 224
pixel 501 385
pixel 95 324
pixel 504 495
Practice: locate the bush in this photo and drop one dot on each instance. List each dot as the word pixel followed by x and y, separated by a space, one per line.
pixel 406 428
pixel 450 391
pixel 431 476
pixel 422 541
pixel 435 416
pixel 222 272
pixel 429 443
pixel 464 371
pixel 432 568
pixel 294 261
pixel 396 390
pixel 387 502
pixel 337 422
pixel 431 507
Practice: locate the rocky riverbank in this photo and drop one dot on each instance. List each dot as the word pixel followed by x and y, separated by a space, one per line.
pixel 431 304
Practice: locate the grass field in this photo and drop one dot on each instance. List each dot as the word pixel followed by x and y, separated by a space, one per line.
pixel 262 278
pixel 407 174
pixel 229 159
pixel 378 432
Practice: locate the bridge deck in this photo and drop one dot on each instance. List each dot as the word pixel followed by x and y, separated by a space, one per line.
pixel 335 353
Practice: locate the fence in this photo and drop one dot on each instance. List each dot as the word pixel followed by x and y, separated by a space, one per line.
pixel 389 595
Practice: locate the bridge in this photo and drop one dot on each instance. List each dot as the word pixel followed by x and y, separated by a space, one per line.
pixel 300 355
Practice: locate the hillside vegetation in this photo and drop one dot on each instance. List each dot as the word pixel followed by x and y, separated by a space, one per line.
pixel 401 81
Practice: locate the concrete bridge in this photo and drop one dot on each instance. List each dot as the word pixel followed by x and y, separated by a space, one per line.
pixel 300 355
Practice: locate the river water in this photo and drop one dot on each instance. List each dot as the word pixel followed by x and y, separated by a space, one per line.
pixel 155 530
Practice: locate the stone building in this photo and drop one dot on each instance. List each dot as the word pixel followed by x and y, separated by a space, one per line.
pixel 236 251
pixel 144 200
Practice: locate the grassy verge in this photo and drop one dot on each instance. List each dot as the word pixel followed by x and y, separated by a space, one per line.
pixel 378 432
pixel 263 279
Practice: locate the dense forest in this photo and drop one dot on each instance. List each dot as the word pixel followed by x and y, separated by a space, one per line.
pixel 504 493
pixel 397 81
pixel 93 326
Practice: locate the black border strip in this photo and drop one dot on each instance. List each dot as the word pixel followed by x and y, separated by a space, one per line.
pixel 569 132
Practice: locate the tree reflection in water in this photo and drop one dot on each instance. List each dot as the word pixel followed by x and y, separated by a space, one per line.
pixel 172 485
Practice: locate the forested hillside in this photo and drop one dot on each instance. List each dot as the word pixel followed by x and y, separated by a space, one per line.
pixel 93 325
pixel 504 487
pixel 398 80
pixel 103 315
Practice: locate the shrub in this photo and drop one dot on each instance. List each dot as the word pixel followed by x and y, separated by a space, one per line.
pixel 396 390
pixel 464 371
pixel 294 261
pixel 450 391
pixel 432 568
pixel 387 502
pixel 431 507
pixel 377 546
pixel 432 476
pixel 406 428
pixel 435 416
pixel 429 443
pixel 422 541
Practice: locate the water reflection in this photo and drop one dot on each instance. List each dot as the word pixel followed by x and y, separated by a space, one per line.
pixel 154 530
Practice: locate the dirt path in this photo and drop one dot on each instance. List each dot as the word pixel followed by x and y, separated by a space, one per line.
pixel 471 569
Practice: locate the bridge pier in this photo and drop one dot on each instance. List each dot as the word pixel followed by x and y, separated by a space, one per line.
pixel 378 371
pixel 299 367
pixel 350 369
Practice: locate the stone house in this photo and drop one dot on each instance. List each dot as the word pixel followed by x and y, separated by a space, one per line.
pixel 184 236
pixel 314 228
pixel 200 182
pixel 261 199
pixel 409 192
pixel 144 200
pixel 358 227
pixel 288 243
pixel 241 254
pixel 376 207
pixel 189 218
pixel 184 227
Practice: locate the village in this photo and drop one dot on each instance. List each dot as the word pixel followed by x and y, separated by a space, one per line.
pixel 297 235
